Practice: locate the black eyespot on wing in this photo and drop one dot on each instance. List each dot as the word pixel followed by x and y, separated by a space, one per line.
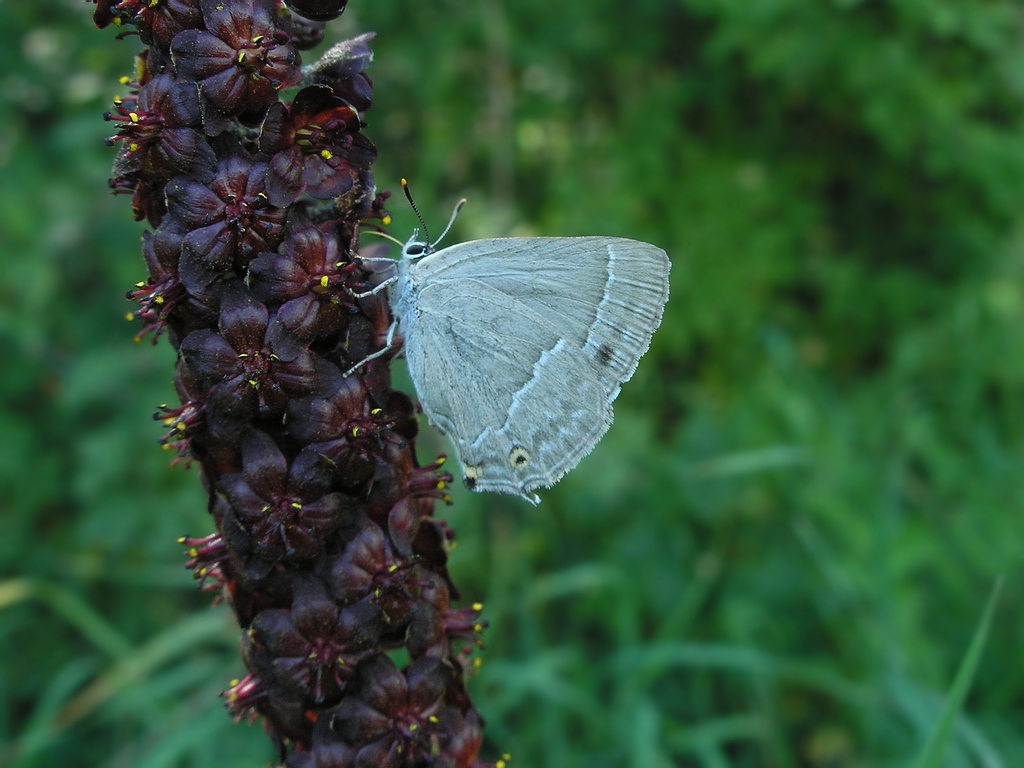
pixel 518 456
pixel 469 482
pixel 605 354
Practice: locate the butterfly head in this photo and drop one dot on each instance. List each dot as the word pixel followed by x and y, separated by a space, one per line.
pixel 415 248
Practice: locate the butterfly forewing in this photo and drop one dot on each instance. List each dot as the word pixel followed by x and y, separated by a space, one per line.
pixel 606 295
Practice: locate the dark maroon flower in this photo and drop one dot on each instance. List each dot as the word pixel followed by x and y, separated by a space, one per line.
pixel 370 568
pixel 464 736
pixel 157 22
pixel 183 423
pixel 431 482
pixel 393 717
pixel 304 33
pixel 244 375
pixel 310 267
pixel 343 69
pixel 229 221
pixel 104 15
pixel 160 294
pixel 244 696
pixel 241 60
pixel 318 10
pixel 344 428
pixel 326 751
pixel 277 511
pixel 148 202
pixel 315 147
pixel 157 132
pixel 164 304
pixel 310 651
pixel 205 557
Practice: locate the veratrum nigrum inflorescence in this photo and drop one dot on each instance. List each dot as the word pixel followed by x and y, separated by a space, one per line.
pixel 254 175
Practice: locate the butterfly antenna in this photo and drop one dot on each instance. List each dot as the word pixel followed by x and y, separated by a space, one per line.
pixel 386 236
pixel 455 215
pixel 408 196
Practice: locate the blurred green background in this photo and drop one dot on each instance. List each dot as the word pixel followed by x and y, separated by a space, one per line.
pixel 780 553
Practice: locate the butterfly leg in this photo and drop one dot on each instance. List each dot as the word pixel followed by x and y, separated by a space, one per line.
pixel 376 289
pixel 388 346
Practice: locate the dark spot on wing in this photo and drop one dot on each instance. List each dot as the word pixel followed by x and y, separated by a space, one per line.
pixel 605 354
pixel 469 482
pixel 519 456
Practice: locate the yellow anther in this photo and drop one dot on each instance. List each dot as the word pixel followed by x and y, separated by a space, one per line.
pixel 133 116
pixel 296 505
pixel 433 719
pixel 477 663
pixel 326 154
pixel 375 411
pixel 355 431
pixel 392 569
pixel 325 282
pixel 130 316
pixel 386 221
pixel 158 300
pixel 478 606
pixel 181 539
pixel 118 99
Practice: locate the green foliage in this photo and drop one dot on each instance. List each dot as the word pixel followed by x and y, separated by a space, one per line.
pixel 778 556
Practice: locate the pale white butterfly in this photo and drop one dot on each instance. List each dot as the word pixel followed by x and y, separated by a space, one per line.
pixel 517 346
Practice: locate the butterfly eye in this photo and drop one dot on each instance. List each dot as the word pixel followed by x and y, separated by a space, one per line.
pixel 413 250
